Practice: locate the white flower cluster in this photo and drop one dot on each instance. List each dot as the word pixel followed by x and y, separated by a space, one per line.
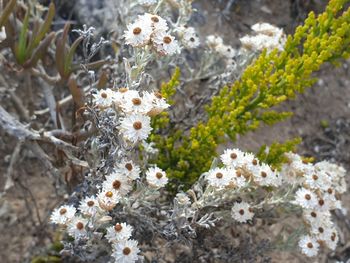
pixel 151 30
pixel 321 185
pixel 135 110
pixel 267 36
pixel 216 44
pixel 93 211
pixel 188 36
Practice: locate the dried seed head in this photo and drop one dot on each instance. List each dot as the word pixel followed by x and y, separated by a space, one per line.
pixel 159 175
pixel 137 125
pixel 118 227
pixel 137 30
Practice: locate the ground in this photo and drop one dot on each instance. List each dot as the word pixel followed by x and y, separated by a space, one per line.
pixel 321 118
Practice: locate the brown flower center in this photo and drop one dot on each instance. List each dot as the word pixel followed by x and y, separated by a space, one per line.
pixel 321 202
pixel 167 40
pixel 219 175
pixel 90 203
pixel 104 95
pixel 313 214
pixel 238 173
pixel 116 184
pixel 137 125
pixel 80 225
pixel 310 245
pixel 136 101
pixel 233 156
pixel 126 251
pixel 307 197
pixel 137 30
pixel 315 177
pixel 118 227
pixel 241 211
pixel 330 190
pixel 155 19
pixel 255 162
pixel 109 194
pixel 192 39
pixel 128 166
pixel 320 229
pixel 63 211
pixel 123 90
pixel 159 175
pixel 263 174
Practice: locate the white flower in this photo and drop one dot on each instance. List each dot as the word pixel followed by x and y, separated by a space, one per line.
pixel 63 214
pixel 233 157
pixel 237 177
pixel 138 34
pixel 219 177
pixel 119 232
pixel 123 94
pixel 117 182
pixel 108 199
pixel 190 38
pixel 318 180
pixel 136 104
pixel 166 44
pixel 264 176
pixel 242 212
pixel 89 206
pixel 305 198
pixel 135 127
pixel 226 51
pixel 157 23
pixel 149 147
pixel 156 177
pixel 214 42
pixel 128 168
pixel 331 238
pixel 182 199
pixel 104 98
pixel 77 227
pixel 125 251
pixel 315 217
pixel 157 101
pixel 309 246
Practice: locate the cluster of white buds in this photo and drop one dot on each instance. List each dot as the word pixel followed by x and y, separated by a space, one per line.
pixel 188 36
pixel 135 110
pixel 320 187
pixel 267 36
pixel 151 30
pixel 216 44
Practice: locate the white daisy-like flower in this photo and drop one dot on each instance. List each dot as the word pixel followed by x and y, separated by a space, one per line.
pixel 226 51
pixel 135 127
pixel 233 157
pixel 104 98
pixel 125 251
pixel 264 176
pixel 315 217
pixel 309 246
pixel 157 23
pixel 119 232
pixel 331 238
pixel 242 212
pixel 190 38
pixel 89 206
pixel 318 180
pixel 214 42
pixel 166 44
pixel 77 227
pixel 108 199
pixel 219 177
pixel 128 168
pixel 136 104
pixel 158 103
pixel 138 34
pixel 182 199
pixel 305 198
pixel 63 214
pixel 156 177
pixel 238 179
pixel 122 94
pixel 117 182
